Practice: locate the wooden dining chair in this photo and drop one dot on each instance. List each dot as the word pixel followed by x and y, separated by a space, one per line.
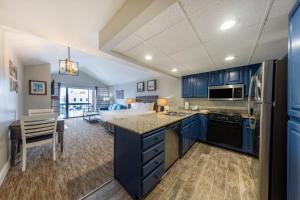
pixel 34 112
pixel 36 131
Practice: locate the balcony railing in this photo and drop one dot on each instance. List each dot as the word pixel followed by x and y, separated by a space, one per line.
pixel 75 109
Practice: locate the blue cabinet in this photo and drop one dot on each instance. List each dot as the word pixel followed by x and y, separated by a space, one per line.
pixel 248 137
pixel 138 160
pixel 293 165
pixel 195 86
pixel 234 76
pixel 216 78
pixel 186 87
pixel 200 85
pixel 201 127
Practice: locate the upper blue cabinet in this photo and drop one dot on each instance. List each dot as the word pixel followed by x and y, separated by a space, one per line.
pixel 195 86
pixel 294 63
pixel 216 78
pixel 234 76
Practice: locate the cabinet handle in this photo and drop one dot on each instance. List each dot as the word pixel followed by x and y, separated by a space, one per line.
pixel 155 162
pixel 156 150
pixel 156 138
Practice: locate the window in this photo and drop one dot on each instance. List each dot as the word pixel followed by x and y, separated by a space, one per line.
pixel 87 99
pixel 80 99
pixel 74 99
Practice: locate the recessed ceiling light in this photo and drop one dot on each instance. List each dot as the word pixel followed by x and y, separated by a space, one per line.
pixel 228 58
pixel 227 25
pixel 148 57
pixel 174 70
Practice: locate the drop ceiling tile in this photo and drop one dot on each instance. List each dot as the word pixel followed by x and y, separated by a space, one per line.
pixel 166 19
pixel 175 38
pixel 238 44
pixel 281 7
pixel 159 60
pixel 194 57
pixel 128 43
pixel 275 29
pixel 194 6
pixel 208 22
pixel 270 50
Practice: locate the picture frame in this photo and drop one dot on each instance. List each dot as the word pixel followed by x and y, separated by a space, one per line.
pixel 13 77
pixel 119 94
pixel 151 85
pixel 140 87
pixel 37 87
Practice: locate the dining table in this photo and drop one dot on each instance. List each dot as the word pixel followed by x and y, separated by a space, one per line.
pixel 16 137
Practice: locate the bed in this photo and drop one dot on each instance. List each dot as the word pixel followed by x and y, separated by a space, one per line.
pixel 149 107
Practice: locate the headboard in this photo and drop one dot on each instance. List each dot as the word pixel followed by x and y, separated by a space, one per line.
pixel 148 99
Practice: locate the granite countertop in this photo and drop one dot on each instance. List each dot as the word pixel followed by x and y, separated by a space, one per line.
pixel 145 123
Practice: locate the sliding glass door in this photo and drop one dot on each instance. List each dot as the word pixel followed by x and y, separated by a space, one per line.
pixel 74 101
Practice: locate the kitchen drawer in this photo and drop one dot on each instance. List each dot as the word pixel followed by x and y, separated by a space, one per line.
pixel 153 139
pixel 153 151
pixel 154 163
pixel 150 181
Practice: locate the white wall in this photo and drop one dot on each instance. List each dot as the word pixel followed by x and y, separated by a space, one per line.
pixel 10 102
pixel 37 73
pixel 81 81
pixel 167 87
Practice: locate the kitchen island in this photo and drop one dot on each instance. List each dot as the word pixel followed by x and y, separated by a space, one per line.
pixel 141 146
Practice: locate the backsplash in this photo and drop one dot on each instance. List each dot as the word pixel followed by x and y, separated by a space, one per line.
pixel 223 105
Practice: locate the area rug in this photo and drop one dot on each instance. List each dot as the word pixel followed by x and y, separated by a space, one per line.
pixel 85 164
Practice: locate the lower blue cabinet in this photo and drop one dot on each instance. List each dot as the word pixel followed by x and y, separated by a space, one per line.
pixel 139 160
pixel 293 160
pixel 248 137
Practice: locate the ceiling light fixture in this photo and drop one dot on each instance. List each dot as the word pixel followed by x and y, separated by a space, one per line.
pixel 228 25
pixel 174 70
pixel 68 67
pixel 148 57
pixel 229 58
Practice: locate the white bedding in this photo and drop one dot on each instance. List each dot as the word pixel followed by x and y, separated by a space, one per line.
pixel 117 114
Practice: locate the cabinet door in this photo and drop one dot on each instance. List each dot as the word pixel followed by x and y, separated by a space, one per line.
pixel 234 76
pixel 294 64
pixel 200 86
pixel 293 160
pixel 216 78
pixel 186 87
pixel 184 139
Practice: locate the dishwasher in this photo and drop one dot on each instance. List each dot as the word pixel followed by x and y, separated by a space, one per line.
pixel 172 144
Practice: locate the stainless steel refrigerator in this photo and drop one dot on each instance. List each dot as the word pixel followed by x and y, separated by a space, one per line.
pixel 267 107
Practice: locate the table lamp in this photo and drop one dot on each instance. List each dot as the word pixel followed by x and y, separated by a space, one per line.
pixel 130 101
pixel 162 102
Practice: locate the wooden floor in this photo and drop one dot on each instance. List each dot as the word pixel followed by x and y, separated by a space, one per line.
pixel 205 172
pixel 85 164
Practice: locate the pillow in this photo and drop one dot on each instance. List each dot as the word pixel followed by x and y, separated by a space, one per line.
pixel 137 106
pixel 110 107
pixel 114 106
pixel 149 106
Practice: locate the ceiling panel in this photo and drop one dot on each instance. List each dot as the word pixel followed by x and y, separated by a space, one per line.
pixel 276 49
pixel 194 6
pixel 166 19
pixel 194 57
pixel 208 22
pixel 175 39
pixel 280 8
pixel 127 44
pixel 159 60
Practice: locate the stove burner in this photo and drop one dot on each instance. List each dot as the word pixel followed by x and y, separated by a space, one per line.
pixel 225 116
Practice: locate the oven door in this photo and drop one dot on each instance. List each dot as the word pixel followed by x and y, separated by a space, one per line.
pixel 226 133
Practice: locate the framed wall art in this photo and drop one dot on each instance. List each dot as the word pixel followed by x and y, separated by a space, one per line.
pixel 151 85
pixel 140 87
pixel 37 87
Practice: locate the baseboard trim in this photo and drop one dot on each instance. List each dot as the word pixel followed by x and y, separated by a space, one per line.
pixel 4 171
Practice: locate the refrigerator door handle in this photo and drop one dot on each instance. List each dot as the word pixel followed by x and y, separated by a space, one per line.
pixel 251 122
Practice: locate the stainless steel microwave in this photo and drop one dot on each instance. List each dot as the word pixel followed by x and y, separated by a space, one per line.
pixel 226 92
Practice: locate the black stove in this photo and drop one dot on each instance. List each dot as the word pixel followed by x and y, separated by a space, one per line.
pixel 225 129
pixel 225 116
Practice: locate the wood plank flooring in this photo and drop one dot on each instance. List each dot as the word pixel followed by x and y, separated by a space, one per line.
pixel 85 164
pixel 205 172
